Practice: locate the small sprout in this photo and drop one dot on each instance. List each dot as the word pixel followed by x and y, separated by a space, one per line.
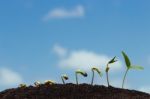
pixel 22 85
pixel 64 77
pixel 129 66
pixel 107 68
pixel 98 71
pixel 83 73
pixel 49 82
pixel 37 83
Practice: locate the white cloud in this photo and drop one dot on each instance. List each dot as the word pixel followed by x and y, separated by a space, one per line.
pixel 9 77
pixel 78 11
pixel 145 89
pixel 83 59
pixel 60 51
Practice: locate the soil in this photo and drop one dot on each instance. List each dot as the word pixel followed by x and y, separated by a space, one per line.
pixel 72 91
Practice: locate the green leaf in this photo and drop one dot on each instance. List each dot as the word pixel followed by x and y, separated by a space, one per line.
pixel 97 70
pixel 127 60
pixel 136 67
pixel 112 60
pixel 82 73
pixel 65 77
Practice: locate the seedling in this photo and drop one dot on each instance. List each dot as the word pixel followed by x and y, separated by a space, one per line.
pixel 83 73
pixel 37 83
pixel 129 66
pixel 98 71
pixel 49 82
pixel 22 85
pixel 107 68
pixel 64 77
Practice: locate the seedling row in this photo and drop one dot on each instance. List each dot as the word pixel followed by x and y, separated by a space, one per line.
pixel 64 77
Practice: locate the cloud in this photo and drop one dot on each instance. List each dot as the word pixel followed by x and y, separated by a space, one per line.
pixel 145 89
pixel 60 51
pixel 83 59
pixel 78 11
pixel 9 77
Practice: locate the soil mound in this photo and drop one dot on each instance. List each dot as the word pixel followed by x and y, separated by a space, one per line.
pixel 72 91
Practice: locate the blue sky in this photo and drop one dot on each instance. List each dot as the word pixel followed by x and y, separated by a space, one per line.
pixel 41 40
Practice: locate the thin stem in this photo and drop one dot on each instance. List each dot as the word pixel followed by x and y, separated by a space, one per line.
pixel 63 80
pixel 107 79
pixel 92 77
pixel 124 77
pixel 107 76
pixel 76 78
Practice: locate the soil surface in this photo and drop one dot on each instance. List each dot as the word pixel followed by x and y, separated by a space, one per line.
pixel 72 91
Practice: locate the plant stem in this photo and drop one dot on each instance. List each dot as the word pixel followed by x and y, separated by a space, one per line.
pixel 107 76
pixel 92 77
pixel 124 77
pixel 63 80
pixel 76 78
pixel 107 79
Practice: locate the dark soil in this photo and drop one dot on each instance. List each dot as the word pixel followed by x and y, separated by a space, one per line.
pixel 72 91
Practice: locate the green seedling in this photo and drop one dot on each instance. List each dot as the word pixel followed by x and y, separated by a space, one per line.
pixel 22 85
pixel 129 66
pixel 37 83
pixel 98 71
pixel 107 68
pixel 64 77
pixel 83 73
pixel 49 82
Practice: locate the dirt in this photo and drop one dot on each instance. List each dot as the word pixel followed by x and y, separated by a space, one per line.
pixel 72 91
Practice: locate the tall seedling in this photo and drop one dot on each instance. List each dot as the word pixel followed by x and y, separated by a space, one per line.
pixel 107 68
pixel 64 77
pixel 129 66
pixel 98 71
pixel 83 73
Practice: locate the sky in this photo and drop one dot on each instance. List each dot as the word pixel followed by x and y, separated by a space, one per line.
pixel 41 40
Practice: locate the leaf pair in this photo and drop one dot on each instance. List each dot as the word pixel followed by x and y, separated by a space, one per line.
pixel 113 60
pixel 129 66
pixel 83 73
pixel 64 77
pixel 97 70
pixel 128 63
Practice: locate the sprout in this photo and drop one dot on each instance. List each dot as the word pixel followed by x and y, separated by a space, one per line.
pixel 83 73
pixel 37 83
pixel 98 71
pixel 22 85
pixel 64 77
pixel 129 66
pixel 107 68
pixel 49 82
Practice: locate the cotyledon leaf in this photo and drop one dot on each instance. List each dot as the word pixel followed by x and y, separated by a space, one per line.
pixel 112 60
pixel 127 60
pixel 136 67
pixel 82 73
pixel 98 71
